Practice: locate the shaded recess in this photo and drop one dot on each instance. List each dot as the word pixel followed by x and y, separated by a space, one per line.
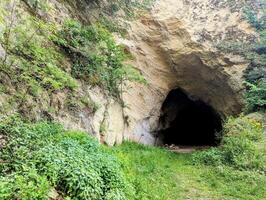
pixel 188 122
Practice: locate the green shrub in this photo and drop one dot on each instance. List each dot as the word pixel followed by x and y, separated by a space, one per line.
pixel 24 185
pixel 242 147
pixel 76 103
pixel 130 7
pixel 32 62
pixel 58 79
pixel 212 156
pixel 256 95
pixel 39 60
pixel 71 162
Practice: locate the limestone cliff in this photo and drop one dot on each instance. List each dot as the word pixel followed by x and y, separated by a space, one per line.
pixel 173 46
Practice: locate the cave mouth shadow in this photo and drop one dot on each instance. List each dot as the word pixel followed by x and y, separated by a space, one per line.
pixel 188 122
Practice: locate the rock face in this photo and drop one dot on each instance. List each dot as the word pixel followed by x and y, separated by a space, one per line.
pixel 173 46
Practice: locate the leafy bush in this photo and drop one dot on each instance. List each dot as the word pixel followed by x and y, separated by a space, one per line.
pixel 242 147
pixel 256 95
pixel 213 156
pixel 39 60
pixel 44 155
pixel 31 61
pixel 256 73
pixel 24 185
pixel 76 103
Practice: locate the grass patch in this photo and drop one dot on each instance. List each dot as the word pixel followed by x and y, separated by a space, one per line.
pixel 235 170
pixel 161 175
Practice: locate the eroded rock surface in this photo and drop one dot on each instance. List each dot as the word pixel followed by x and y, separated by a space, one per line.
pixel 174 47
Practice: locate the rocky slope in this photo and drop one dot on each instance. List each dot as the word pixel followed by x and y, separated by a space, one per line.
pixel 173 46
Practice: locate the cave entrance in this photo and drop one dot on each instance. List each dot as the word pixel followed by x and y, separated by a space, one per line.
pixel 188 122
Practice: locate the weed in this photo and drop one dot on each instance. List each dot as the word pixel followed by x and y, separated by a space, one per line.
pixel 40 156
pixel 242 147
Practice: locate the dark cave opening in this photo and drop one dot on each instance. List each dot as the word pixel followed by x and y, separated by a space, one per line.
pixel 188 122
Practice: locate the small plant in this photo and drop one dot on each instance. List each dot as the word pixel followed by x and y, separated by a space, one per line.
pixel 258 23
pixel 41 156
pixel 31 65
pixel 130 7
pixel 24 185
pixel 256 95
pixel 31 61
pixel 242 147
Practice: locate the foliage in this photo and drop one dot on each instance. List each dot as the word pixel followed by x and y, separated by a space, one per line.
pixel 256 95
pixel 113 26
pixel 32 66
pixel 41 156
pixel 158 174
pixel 24 185
pixel 242 147
pixel 113 15
pixel 38 157
pixel 97 59
pixel 255 75
pixel 30 60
